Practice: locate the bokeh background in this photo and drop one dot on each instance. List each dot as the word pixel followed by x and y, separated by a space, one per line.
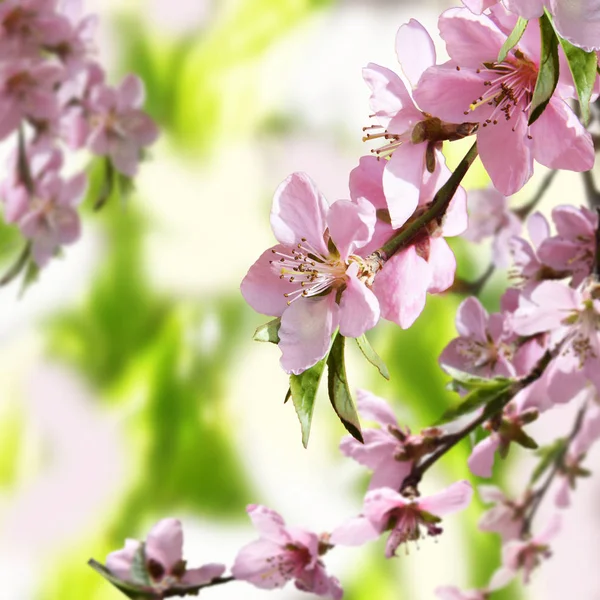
pixel 131 388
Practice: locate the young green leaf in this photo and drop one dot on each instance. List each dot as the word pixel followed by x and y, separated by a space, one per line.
pixel 492 399
pixel 513 39
pixel 339 392
pixel 372 356
pixel 471 382
pixel 549 69
pixel 139 571
pixel 548 455
pixel 583 66
pixel 304 390
pixel 130 590
pixel 269 332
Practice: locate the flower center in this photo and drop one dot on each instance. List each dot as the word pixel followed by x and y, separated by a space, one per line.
pixel 309 271
pixel 509 88
pixel 586 327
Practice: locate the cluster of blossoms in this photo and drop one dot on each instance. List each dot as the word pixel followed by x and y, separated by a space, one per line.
pixel 338 268
pixel 54 99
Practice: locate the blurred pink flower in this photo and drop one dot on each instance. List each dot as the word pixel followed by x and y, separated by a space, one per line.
pixel 120 129
pixel 505 518
pixel 163 553
pixel 407 519
pixel 282 554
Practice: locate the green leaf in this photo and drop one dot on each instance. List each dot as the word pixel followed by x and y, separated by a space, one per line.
pixel 547 454
pixel 339 392
pixel 492 399
pixel 288 395
pixel 304 390
pixel 471 382
pixel 269 332
pixel 372 356
pixel 549 69
pixel 129 589
pixel 583 66
pixel 139 572
pixel 513 39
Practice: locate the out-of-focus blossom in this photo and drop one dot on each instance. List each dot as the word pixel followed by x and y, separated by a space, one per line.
pixel 506 517
pixel 407 519
pixel 454 593
pixel 120 129
pixel 473 86
pixel 573 249
pixel 390 450
pixel 282 554
pixel 164 564
pixel 490 216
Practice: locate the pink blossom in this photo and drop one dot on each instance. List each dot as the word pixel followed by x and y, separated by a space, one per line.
pixel 484 348
pixel 316 279
pixel 475 87
pixel 454 593
pixel 428 265
pixel 390 450
pixel 573 250
pixel 402 126
pixel 51 219
pixel 407 519
pixel 164 564
pixel 27 91
pixel 490 216
pixel 284 553
pixel 506 517
pixel 521 555
pixel 120 129
pixel 572 317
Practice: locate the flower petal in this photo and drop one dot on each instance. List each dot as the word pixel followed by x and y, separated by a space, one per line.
pixel 164 543
pixel 482 457
pixel 454 498
pixel 415 50
pixel 359 307
pixel 351 225
pixel 443 265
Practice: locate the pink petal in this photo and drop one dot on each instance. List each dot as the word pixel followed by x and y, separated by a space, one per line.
pixel 447 93
pixel 119 562
pixel 262 288
pixel 578 22
pixel 402 180
pixel 528 9
pixel 299 211
pixel 538 228
pixel 354 532
pixel 366 181
pixel 378 505
pixel 506 154
pixel 317 581
pixel 560 141
pixel 401 287
pixel 415 50
pixel 202 575
pixel 470 39
pixel 351 225
pixel 305 333
pixel 478 6
pixel 66 224
pixel 254 563
pixel 454 498
pixel 164 543
pixel 443 265
pixel 377 447
pixel 388 92
pixel 472 319
pixel 482 457
pixel 359 307
pixel 125 156
pixel 131 93
pixel 456 218
pixel 572 222
pixel 269 523
pixel 374 408
pixel 390 473
pixel 551 530
pixel 491 494
pixel 73 190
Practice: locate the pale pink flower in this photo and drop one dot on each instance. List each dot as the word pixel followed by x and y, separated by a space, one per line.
pixel 51 219
pixel 403 125
pixel 448 592
pixel 525 556
pixel 484 348
pixel 472 86
pixel 428 265
pixel 390 450
pixel 573 249
pixel 164 564
pixel 572 317
pixel 27 92
pixel 316 279
pixel 407 519
pixel 120 129
pixel 491 217
pixel 284 553
pixel 505 518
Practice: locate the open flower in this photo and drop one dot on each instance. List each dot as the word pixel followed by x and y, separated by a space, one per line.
pixel 474 86
pixel 316 279
pixel 407 519
pixel 164 564
pixel 282 554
